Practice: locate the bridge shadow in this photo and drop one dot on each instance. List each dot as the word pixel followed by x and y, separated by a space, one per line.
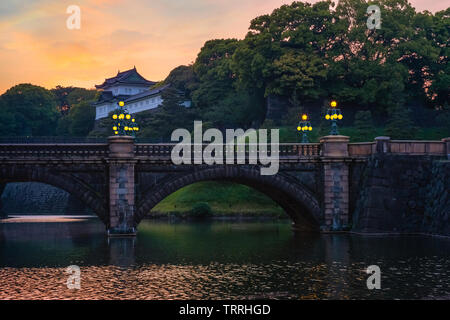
pixel 79 191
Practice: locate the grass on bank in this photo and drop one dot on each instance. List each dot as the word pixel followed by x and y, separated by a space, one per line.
pixel 224 199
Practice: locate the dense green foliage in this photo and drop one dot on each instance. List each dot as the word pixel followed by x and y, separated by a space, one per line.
pixel 77 114
pixel 28 110
pixel 364 126
pixel 400 125
pixel 31 110
pixel 201 210
pixel 160 123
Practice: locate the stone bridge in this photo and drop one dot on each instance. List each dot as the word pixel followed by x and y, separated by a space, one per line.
pixel 121 181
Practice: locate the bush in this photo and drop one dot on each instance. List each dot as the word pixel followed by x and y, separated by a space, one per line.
pixel 201 210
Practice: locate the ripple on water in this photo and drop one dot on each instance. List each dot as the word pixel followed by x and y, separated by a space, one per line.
pixel 211 262
pixel 223 281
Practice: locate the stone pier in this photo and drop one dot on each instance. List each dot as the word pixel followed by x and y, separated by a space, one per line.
pixel 335 183
pixel 121 186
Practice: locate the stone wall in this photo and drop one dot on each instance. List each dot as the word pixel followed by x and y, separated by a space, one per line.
pixel 396 195
pixel 336 196
pixel 2 212
pixel 39 198
pixel 437 206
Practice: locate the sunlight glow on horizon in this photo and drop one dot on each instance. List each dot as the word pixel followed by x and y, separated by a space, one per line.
pixel 155 36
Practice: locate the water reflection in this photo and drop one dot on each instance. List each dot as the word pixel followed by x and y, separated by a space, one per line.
pixel 122 251
pixel 217 260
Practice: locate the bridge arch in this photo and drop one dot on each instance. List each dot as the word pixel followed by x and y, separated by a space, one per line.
pixel 301 205
pixel 63 181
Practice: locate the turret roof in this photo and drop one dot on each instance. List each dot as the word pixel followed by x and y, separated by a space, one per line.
pixel 126 77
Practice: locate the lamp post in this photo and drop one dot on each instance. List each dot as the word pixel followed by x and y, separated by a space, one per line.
pixel 125 124
pixel 304 126
pixel 333 114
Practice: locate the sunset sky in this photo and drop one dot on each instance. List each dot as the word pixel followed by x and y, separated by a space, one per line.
pixel 155 35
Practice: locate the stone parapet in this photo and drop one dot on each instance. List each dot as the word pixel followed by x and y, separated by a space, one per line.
pixel 446 141
pixel 121 147
pixel 382 144
pixel 335 146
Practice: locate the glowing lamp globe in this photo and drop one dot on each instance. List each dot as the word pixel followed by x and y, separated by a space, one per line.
pixel 333 104
pixel 121 103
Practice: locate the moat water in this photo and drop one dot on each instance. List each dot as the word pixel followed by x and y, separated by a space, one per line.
pixel 215 260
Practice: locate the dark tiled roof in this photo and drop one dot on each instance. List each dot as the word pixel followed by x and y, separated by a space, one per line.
pixel 127 77
pixel 107 96
pixel 146 93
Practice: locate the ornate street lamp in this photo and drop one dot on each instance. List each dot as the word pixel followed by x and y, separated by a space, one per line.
pixel 304 126
pixel 333 114
pixel 125 124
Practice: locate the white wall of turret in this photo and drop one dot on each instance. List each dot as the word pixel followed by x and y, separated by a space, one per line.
pixel 148 103
pixel 128 90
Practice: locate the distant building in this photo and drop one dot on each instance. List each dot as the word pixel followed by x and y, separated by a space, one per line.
pixel 128 86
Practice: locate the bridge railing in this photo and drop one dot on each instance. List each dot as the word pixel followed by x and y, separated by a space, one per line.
pixel 412 147
pixel 53 151
pixel 361 149
pixel 300 149
pixel 286 150
pixel 405 147
pixel 51 140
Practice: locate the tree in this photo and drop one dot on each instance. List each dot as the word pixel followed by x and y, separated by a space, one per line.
pixel 63 126
pixel 61 93
pixel 69 96
pixel 286 51
pixel 82 118
pixel 400 125
pixel 212 68
pixel 363 126
pixel 183 78
pixel 237 109
pixel 172 114
pixel 443 119
pixel 324 124
pixel 28 110
pixel 79 95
